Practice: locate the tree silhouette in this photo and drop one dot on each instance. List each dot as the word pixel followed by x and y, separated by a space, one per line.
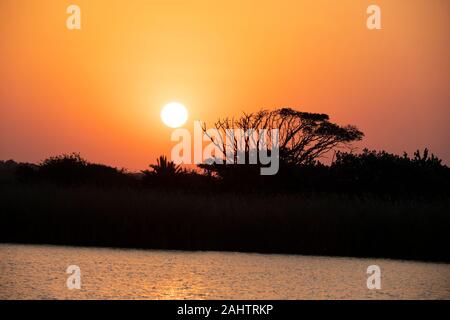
pixel 164 173
pixel 72 169
pixel 65 169
pixel 303 137
pixel 383 172
pixel 426 160
pixel 165 167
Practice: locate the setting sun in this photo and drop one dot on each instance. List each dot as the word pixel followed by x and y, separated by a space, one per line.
pixel 174 114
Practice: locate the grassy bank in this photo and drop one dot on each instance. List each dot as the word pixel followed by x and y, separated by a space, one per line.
pixel 304 224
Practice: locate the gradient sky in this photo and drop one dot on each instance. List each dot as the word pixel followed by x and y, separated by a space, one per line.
pixel 99 91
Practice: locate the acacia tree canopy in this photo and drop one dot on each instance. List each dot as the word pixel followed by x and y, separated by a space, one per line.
pixel 303 136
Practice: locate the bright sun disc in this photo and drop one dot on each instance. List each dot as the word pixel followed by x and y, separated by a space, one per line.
pixel 174 115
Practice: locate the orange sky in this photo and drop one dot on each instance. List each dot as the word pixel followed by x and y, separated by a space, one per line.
pixel 99 90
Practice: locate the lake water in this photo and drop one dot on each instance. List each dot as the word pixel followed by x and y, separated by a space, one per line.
pixel 39 272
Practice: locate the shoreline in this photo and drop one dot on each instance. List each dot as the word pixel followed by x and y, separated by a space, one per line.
pixel 218 251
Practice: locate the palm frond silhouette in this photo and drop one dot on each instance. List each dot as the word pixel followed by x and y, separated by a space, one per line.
pixel 165 167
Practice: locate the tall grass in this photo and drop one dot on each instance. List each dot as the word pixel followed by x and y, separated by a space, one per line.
pixel 304 224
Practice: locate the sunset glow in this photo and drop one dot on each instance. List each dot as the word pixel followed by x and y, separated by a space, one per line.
pixel 99 90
